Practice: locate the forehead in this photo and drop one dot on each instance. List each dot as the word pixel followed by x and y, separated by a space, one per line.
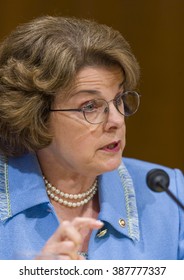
pixel 93 79
pixel 98 77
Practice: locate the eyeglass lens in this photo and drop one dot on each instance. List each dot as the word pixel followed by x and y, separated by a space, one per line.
pixel 126 103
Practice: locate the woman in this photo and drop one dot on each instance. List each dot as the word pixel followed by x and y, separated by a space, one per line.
pixel 66 87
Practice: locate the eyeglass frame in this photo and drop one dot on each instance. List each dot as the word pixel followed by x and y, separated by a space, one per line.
pixel 114 100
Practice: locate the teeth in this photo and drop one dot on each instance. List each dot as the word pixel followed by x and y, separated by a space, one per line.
pixel 111 146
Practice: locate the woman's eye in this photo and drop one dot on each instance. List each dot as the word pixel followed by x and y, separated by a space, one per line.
pixel 90 106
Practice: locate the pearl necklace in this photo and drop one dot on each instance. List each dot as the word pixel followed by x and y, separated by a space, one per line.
pixel 54 194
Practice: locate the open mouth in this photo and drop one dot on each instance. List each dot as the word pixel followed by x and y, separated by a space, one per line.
pixel 114 147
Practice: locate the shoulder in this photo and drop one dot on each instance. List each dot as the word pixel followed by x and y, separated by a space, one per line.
pixel 139 169
pixel 143 166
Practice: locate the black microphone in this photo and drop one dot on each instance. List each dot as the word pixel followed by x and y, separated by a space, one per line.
pixel 158 181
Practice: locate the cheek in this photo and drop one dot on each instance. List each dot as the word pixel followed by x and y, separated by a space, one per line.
pixel 87 133
pixel 74 134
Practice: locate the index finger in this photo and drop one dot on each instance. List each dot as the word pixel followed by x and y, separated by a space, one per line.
pixel 91 223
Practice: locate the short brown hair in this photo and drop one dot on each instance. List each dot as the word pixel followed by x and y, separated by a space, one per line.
pixel 42 56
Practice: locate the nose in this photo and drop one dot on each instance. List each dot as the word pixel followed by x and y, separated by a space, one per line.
pixel 114 119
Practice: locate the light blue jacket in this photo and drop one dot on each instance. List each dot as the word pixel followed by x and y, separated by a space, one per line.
pixel 138 223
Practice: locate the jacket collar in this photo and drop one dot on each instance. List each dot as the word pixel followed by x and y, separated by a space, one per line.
pixel 118 202
pixel 21 185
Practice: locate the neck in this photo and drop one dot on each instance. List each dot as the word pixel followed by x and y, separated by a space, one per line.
pixel 64 179
pixel 69 182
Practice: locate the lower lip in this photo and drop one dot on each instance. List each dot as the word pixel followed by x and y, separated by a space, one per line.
pixel 113 150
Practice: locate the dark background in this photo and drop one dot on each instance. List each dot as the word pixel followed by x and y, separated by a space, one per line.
pixel 155 30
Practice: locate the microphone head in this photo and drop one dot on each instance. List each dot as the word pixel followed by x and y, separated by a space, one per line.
pixel 157 180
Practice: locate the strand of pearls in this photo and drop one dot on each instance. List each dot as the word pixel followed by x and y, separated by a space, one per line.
pixel 60 196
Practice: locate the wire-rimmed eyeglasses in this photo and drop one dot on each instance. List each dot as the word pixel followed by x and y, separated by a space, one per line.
pixel 96 111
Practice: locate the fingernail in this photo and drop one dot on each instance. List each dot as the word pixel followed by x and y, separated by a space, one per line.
pixel 100 223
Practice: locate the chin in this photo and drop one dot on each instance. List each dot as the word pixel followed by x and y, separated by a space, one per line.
pixel 111 165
